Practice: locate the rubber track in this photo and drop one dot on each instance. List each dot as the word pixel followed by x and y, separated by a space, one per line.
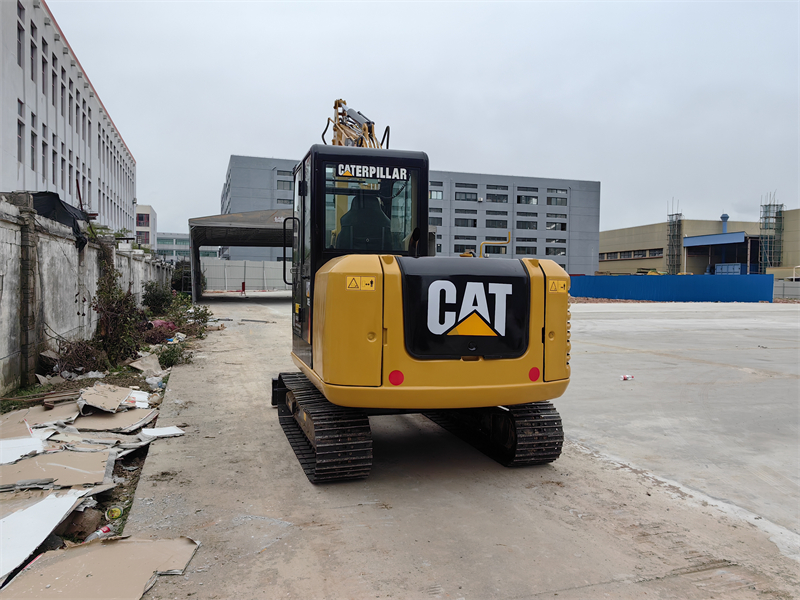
pixel 343 438
pixel 539 434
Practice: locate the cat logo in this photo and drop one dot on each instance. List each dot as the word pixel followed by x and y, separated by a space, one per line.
pixel 473 318
pixel 372 172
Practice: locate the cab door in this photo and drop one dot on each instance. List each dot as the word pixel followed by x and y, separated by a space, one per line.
pixel 301 263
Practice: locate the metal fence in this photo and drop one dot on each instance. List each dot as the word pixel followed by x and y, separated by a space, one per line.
pixel 675 288
pixel 255 275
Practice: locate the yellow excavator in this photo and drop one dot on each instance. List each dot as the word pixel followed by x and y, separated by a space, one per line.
pixel 382 326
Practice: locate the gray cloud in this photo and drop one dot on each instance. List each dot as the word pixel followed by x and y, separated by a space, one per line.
pixel 696 101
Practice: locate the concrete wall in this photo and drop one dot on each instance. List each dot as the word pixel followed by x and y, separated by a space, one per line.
pixel 47 286
pixel 228 275
pixel 786 289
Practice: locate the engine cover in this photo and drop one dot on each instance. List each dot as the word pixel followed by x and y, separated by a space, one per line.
pixel 455 307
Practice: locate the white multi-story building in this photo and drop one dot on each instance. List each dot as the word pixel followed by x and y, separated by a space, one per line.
pixel 174 247
pixel 55 133
pixel 146 226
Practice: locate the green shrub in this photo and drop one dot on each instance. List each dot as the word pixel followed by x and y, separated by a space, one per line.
pixel 157 297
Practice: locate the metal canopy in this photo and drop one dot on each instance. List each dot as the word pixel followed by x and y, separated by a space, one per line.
pixel 261 228
pixel 714 239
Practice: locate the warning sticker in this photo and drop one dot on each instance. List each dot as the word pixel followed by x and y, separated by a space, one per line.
pixel 558 287
pixel 360 284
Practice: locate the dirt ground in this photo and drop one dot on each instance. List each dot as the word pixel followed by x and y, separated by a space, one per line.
pixel 436 519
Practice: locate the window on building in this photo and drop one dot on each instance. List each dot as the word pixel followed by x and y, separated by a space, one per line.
pixel 556 216
pixel 165 242
pixel 53 164
pixel 181 241
pixel 497 212
pixel 556 191
pixel 71 169
pixel 521 213
pixel 438 236
pixel 639 253
pixel 435 210
pixel 522 188
pixel 473 186
pixel 527 225
pixel 142 237
pixel 44 158
pixel 20 108
pixel 284 201
pixel 466 222
pixel 466 211
pixel 490 186
pixel 494 249
pixel 20 11
pixel 495 238
pixel 284 173
pixel 527 200
pixel 467 196
pixel 460 248
pixel 435 221
pixel 435 195
pixel 438 247
pixel 435 183
pixel 44 74
pixel 21 142
pixel 657 252
pixel 556 201
pixel 626 254
pixel 556 241
pixel 465 237
pixel 63 99
pixel 612 256
pixel 20 45
pixel 525 239
pixel 33 60
pixel 555 251
pixel 525 249
pixel 143 220
pixel 285 185
pixel 502 198
pixel 601 256
pixel 63 172
pixel 553 226
pixel 496 223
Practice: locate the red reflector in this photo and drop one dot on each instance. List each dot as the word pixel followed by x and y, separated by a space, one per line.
pixel 396 377
pixel 534 374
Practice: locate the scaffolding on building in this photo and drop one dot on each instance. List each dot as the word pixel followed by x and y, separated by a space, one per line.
pixel 770 248
pixel 674 242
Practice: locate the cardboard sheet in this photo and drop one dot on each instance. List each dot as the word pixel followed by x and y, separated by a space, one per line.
pixel 15 448
pixel 35 517
pixel 121 422
pixel 37 416
pixel 161 432
pixel 104 397
pixel 120 569
pixel 148 362
pixel 63 469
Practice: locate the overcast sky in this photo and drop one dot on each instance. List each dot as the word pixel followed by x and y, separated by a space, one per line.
pixel 692 101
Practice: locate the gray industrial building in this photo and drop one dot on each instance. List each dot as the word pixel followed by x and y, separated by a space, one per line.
pixel 547 218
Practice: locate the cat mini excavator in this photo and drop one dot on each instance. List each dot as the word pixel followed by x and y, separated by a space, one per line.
pixel 380 326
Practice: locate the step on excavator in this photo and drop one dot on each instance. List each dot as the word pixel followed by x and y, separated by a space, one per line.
pixel 380 325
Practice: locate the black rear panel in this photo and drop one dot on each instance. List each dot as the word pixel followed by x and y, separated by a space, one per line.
pixel 454 307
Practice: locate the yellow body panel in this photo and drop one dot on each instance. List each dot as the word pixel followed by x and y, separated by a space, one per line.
pixel 556 335
pixel 347 324
pixel 352 369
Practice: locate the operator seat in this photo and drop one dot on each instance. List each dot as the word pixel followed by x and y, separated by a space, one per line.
pixel 365 226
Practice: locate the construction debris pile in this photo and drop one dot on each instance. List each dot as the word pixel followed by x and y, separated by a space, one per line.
pixel 57 463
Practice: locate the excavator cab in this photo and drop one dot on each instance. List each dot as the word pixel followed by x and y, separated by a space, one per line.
pixel 350 200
